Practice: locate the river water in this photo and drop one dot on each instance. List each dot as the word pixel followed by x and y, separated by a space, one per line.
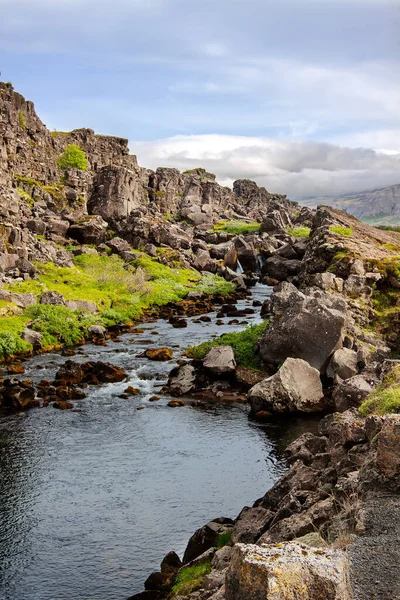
pixel 91 500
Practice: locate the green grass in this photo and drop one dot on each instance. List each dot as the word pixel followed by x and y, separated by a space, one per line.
pixel 121 292
pixel 73 157
pixel 385 399
pixel 299 231
pixel 189 579
pixel 237 227
pixel 242 342
pixel 344 231
pixel 224 539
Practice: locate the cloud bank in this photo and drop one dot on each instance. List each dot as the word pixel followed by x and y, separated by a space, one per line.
pixel 295 168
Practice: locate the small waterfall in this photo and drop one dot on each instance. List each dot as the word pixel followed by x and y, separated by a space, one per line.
pixel 260 262
pixel 239 268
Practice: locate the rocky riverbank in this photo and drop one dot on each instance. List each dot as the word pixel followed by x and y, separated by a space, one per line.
pixel 90 241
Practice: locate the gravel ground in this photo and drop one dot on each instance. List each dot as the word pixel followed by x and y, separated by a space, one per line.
pixel 375 557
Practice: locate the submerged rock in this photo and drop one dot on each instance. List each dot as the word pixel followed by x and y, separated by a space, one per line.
pixel 160 354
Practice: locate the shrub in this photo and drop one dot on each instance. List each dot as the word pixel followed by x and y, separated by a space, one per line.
pixel 345 231
pixel 385 399
pixel 190 579
pixel 73 157
pixel 58 324
pixel 237 227
pixel 299 231
pixel 242 342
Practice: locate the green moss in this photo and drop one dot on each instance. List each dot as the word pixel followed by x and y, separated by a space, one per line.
pixel 21 119
pixel 189 579
pixel 344 231
pixel 26 196
pixel 73 157
pixel 299 231
pixel 224 539
pixel 242 342
pixel 55 133
pixel 391 247
pixel 385 399
pixel 56 190
pixel 237 227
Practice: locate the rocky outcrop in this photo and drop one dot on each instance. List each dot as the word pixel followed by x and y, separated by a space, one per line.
pixel 286 571
pixel 303 326
pixel 296 387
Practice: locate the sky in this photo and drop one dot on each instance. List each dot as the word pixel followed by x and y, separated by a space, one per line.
pixel 303 96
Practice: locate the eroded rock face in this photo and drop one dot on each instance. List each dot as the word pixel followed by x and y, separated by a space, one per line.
pixel 287 571
pixel 306 327
pixel 295 387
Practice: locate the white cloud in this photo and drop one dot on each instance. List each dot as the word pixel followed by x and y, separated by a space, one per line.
pixel 294 168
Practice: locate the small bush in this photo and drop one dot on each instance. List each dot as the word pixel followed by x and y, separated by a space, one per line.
pixel 345 231
pixel 242 342
pixel 299 231
pixel 385 399
pixel 190 579
pixel 12 344
pixel 73 157
pixel 21 119
pixel 237 227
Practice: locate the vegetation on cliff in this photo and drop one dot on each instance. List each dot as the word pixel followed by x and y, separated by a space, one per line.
pixel 73 157
pixel 237 227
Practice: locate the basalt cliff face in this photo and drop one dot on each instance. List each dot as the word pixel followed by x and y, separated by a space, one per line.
pixel 326 346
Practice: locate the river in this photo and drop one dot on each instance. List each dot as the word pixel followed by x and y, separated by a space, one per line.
pixel 92 499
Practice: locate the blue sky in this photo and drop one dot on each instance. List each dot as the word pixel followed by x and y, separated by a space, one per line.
pixel 301 95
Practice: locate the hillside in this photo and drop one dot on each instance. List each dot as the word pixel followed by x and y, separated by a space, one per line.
pixel 377 207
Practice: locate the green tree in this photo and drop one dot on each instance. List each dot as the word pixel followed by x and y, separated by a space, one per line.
pixel 73 157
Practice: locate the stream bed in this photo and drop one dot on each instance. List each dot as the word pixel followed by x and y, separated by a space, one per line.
pixel 92 499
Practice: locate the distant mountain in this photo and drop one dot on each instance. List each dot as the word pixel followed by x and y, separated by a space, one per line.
pixel 380 206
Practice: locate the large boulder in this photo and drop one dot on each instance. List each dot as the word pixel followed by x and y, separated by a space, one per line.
pixel 246 254
pixel 251 524
pixel 220 360
pixel 206 537
pixel 287 571
pixel 309 327
pixel 295 387
pixel 182 380
pixel 343 364
pixel 351 392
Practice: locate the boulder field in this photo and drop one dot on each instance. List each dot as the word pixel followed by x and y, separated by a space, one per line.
pixel 327 344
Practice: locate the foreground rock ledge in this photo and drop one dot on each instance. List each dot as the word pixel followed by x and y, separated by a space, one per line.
pixel 290 571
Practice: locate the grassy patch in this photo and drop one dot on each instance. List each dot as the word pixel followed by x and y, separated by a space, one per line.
pixel 10 335
pixel 21 119
pixel 190 579
pixel 385 399
pixel 212 285
pixel 242 342
pixel 299 231
pixel 59 324
pixel 344 231
pixel 237 227
pixel 224 539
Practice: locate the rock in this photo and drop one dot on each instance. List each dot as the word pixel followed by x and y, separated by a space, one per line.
pixel 295 387
pixel 351 393
pixel 21 300
pixel 306 327
pixel 171 561
pixel 16 394
pixel 388 448
pixel 82 305
pixel 100 372
pixel 222 558
pixel 175 403
pixel 63 405
pixel 343 364
pixel 182 381
pixel 220 360
pixel 15 369
pixel 97 331
pixel 118 245
pixel 246 254
pixel 131 391
pixel 203 539
pixel 53 298
pixel 251 524
pixel 281 268
pixel 70 373
pixel 231 257
pixel 160 354
pixel 32 337
pixel 287 571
